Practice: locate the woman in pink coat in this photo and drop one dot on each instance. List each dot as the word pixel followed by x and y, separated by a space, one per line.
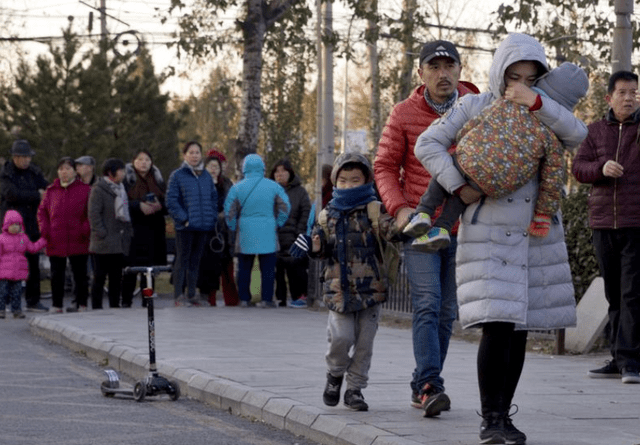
pixel 14 267
pixel 64 223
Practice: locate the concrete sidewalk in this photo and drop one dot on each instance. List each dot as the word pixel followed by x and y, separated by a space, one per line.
pixel 268 364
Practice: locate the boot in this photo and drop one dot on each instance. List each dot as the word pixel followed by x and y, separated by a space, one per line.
pixel 212 298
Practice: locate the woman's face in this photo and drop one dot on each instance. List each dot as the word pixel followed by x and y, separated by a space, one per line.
pixel 193 155
pixel 213 167
pixel 142 163
pixel 281 175
pixel 525 71
pixel 66 173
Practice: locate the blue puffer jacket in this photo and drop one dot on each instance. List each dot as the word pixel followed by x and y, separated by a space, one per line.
pixel 255 207
pixel 192 198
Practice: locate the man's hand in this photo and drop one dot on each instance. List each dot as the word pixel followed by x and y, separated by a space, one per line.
pixel 612 169
pixel 521 94
pixel 402 217
pixel 468 194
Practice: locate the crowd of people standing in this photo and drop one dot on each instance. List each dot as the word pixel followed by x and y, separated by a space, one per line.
pixel 92 225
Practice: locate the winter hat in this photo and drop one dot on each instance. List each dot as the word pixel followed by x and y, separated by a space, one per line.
pixel 86 160
pixel 346 158
pixel 213 153
pixel 22 147
pixel 566 84
pixel 438 48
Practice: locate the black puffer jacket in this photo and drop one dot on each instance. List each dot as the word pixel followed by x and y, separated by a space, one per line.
pixel 19 191
pixel 614 203
pixel 300 208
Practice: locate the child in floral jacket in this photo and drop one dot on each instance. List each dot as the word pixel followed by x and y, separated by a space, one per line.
pixel 354 282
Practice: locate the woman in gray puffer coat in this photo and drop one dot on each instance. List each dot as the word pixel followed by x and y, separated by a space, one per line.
pixel 508 281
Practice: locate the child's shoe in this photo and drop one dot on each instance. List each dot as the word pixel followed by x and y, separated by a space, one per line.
pixel 331 395
pixel 418 225
pixel 18 314
pixel 55 310
pixel 354 399
pixel 437 238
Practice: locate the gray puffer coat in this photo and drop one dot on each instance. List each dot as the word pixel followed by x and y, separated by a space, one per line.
pixel 503 273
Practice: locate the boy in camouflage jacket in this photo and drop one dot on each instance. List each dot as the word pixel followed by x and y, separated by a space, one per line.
pixel 354 282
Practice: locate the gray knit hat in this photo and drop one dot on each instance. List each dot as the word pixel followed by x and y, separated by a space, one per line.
pixel 347 157
pixel 86 160
pixel 566 84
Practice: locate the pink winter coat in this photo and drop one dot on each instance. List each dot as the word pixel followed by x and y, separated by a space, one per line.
pixel 13 263
pixel 63 219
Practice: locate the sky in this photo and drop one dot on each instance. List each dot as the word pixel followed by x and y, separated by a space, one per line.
pixel 45 18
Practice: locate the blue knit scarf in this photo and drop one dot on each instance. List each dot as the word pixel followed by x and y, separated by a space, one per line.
pixel 345 199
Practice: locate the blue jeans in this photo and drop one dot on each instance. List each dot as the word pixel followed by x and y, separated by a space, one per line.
pixel 267 275
pixel 432 282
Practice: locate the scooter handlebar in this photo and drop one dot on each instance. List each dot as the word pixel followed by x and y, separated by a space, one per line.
pixel 144 269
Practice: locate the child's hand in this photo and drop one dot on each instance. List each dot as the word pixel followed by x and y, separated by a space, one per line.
pixel 315 243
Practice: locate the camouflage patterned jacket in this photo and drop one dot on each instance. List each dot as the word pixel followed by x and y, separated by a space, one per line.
pixel 352 279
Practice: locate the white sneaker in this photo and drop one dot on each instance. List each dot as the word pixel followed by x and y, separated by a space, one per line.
pixel 418 225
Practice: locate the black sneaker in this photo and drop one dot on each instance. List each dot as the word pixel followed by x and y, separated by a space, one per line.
pixel 18 314
pixel 331 395
pixel 434 401
pixel 630 375
pixel 354 399
pixel 608 371
pixel 512 434
pixel 38 307
pixel 416 400
pixel 492 429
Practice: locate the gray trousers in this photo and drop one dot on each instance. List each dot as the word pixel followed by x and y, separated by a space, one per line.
pixel 353 330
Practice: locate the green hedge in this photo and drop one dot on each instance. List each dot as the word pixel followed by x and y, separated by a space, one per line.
pixel 584 267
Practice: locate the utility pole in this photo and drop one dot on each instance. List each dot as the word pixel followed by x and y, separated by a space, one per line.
pixel 622 36
pixel 319 96
pixel 327 102
pixel 103 19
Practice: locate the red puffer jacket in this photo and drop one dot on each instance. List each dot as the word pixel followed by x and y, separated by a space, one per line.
pixel 63 219
pixel 613 203
pixel 400 177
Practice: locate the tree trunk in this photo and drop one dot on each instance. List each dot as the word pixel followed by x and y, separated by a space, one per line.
pixel 408 44
pixel 253 30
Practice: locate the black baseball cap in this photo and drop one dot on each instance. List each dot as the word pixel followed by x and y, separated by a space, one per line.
pixel 439 48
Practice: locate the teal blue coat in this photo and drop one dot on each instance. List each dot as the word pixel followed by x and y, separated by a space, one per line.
pixel 255 207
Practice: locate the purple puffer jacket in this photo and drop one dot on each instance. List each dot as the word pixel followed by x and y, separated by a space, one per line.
pixel 13 263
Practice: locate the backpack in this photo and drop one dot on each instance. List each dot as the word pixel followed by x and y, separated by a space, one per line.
pixel 389 252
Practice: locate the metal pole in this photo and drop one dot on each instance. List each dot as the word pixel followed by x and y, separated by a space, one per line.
pixel 622 36
pixel 319 125
pixel 103 19
pixel 327 103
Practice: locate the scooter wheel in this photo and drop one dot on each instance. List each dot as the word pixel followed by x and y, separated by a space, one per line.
pixel 139 391
pixel 173 390
pixel 105 392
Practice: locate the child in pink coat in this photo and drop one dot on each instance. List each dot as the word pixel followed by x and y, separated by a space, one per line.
pixel 14 267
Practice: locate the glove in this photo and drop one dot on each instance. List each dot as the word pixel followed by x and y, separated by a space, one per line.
pixel 300 247
pixel 540 225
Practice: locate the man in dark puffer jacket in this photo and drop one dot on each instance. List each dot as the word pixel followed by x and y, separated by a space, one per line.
pixel 609 159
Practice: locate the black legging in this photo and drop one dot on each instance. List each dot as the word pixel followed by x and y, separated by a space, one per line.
pixel 500 361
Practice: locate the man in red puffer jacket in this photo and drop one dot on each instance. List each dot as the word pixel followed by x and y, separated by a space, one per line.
pixel 401 180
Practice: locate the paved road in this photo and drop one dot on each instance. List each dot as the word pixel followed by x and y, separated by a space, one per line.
pixel 51 395
pixel 269 364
